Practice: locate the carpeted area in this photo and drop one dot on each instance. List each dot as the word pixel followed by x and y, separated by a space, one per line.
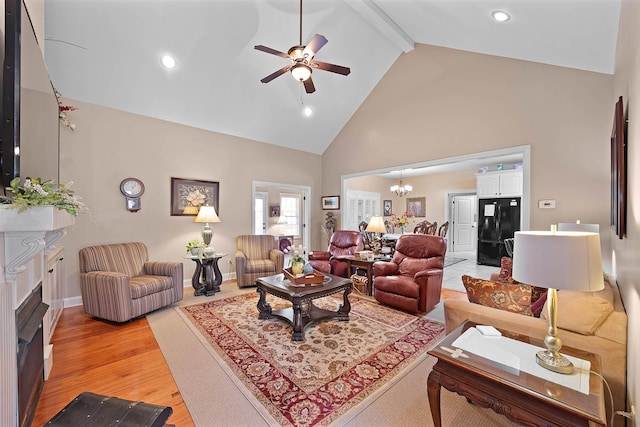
pixel 319 380
pixel 215 399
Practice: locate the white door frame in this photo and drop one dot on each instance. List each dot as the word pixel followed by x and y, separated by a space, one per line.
pixel 306 204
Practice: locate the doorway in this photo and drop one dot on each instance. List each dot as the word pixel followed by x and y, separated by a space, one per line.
pixel 260 208
pixel 467 162
pixel 265 203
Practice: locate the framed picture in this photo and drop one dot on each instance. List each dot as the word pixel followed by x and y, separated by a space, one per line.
pixel 274 211
pixel 202 192
pixel 387 208
pixel 619 171
pixel 330 202
pixel 417 206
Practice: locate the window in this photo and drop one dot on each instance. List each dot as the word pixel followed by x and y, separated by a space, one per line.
pixel 361 205
pixel 290 214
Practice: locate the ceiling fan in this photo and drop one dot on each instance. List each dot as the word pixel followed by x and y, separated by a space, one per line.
pixel 302 61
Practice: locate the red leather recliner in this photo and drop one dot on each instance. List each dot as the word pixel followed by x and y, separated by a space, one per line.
pixel 342 245
pixel 412 280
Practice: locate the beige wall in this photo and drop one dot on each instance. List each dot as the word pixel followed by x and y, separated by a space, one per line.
pixel 110 145
pixel 437 103
pixel 626 253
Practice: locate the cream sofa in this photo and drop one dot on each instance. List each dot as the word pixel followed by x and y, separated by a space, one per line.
pixel 595 322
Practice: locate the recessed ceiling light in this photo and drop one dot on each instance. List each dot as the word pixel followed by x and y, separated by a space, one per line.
pixel 500 15
pixel 307 111
pixel 168 61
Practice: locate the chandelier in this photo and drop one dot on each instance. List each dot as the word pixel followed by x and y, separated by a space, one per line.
pixel 402 189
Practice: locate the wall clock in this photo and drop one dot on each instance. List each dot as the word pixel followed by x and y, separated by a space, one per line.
pixel 132 189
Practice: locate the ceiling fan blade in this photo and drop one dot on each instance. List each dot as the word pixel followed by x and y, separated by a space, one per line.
pixel 271 51
pixel 314 46
pixel 278 73
pixel 339 69
pixel 308 85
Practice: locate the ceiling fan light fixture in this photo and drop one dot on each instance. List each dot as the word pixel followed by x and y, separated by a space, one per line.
pixel 300 72
pixel 296 52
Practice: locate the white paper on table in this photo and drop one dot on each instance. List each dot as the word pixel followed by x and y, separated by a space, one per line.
pixel 489 210
pixel 521 356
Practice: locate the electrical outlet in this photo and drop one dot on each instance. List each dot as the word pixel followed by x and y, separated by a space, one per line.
pixel 633 412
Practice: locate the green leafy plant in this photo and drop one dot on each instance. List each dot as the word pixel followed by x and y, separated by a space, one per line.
pixel 195 243
pixel 34 192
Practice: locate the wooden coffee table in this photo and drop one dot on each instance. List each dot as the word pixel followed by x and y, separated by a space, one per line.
pixel 302 312
pixel 522 397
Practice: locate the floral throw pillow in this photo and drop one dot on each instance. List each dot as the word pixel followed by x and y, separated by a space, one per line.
pixel 506 266
pixel 513 297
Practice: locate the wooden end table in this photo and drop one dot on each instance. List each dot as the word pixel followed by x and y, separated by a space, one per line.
pixel 523 398
pixel 302 312
pixel 367 267
pixel 207 277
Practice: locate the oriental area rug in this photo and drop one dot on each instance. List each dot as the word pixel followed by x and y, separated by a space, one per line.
pixel 323 379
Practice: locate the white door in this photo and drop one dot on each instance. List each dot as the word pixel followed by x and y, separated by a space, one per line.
pixel 464 223
pixel 260 213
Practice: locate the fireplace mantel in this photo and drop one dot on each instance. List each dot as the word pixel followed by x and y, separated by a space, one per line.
pixel 24 239
pixel 29 232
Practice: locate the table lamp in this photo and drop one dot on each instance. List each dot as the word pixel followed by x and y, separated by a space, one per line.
pixel 566 260
pixel 207 214
pixel 376 225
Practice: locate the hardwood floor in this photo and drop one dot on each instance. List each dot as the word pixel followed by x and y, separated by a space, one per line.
pixel 120 360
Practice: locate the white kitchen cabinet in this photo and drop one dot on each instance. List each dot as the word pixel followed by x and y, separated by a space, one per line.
pixel 506 183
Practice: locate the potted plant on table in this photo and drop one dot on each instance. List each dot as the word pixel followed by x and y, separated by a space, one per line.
pixel 297 260
pixel 195 247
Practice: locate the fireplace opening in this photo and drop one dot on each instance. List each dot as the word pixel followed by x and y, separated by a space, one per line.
pixel 30 354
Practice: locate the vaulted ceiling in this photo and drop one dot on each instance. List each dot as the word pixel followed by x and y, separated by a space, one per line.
pixel 108 53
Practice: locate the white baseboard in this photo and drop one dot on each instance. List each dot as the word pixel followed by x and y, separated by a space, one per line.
pixel 72 301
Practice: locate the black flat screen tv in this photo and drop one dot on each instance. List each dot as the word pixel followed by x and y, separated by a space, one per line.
pixel 29 145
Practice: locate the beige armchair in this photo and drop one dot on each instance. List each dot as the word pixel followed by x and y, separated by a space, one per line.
pixel 119 283
pixel 257 256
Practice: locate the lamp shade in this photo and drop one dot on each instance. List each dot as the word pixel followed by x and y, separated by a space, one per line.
pixel 376 225
pixel 207 214
pixel 569 260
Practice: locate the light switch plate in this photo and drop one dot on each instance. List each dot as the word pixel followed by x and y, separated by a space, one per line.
pixel 547 204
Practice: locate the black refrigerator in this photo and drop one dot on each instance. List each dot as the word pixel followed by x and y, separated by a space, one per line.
pixel 498 219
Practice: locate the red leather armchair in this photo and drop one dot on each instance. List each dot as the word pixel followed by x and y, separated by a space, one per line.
pixel 342 245
pixel 412 280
